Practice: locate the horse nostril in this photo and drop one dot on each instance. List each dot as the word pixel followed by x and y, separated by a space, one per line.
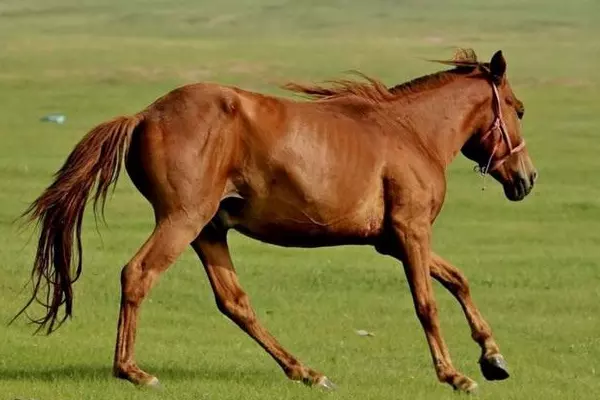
pixel 534 176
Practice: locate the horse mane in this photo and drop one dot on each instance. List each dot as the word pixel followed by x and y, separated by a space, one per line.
pixel 373 90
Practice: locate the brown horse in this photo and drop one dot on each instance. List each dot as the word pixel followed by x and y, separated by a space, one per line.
pixel 360 164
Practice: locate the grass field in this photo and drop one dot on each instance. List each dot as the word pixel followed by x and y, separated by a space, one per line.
pixel 533 266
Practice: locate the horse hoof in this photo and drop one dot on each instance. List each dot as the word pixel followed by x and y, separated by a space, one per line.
pixel 325 383
pixel 494 368
pixel 465 385
pixel 153 384
pixel 472 388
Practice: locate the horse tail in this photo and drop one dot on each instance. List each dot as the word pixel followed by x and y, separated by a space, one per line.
pixel 97 158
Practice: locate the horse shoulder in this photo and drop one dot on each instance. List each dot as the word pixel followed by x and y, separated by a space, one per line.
pixel 414 187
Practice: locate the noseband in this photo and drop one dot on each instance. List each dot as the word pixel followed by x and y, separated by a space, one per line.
pixel 498 124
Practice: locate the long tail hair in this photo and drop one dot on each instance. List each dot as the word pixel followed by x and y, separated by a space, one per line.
pixel 59 214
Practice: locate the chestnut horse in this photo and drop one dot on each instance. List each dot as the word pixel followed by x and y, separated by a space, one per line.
pixel 358 164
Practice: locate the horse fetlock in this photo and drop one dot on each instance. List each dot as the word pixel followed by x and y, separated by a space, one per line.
pixel 298 372
pixel 447 374
pixel 134 374
pixel 489 348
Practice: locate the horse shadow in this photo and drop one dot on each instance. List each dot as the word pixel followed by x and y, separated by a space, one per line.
pixel 86 372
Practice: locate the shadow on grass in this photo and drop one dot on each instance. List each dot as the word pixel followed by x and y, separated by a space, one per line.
pixel 165 374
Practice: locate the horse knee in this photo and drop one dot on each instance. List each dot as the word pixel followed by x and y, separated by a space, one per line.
pixel 426 311
pixel 237 308
pixel 454 281
pixel 461 284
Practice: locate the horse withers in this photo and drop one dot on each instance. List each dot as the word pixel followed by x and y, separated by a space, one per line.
pixel 360 163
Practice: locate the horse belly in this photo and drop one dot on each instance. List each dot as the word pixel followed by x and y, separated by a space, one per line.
pixel 318 184
pixel 293 224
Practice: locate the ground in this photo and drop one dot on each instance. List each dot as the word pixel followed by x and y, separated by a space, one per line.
pixel 533 266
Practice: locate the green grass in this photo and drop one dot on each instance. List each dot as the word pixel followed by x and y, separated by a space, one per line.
pixel 533 266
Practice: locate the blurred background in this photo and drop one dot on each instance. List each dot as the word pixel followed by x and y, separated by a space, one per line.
pixel 533 266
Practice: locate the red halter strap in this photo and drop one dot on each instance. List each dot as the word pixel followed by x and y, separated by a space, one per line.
pixel 499 124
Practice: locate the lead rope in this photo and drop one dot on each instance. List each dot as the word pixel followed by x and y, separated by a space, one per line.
pixel 483 171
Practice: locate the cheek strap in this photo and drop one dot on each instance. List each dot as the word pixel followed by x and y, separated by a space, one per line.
pixel 498 125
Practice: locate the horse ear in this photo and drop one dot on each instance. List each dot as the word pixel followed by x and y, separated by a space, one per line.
pixel 498 66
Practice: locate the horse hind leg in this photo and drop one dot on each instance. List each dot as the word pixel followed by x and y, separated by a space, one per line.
pixel 212 249
pixel 180 165
pixel 172 234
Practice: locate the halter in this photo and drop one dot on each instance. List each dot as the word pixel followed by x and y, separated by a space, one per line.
pixel 498 124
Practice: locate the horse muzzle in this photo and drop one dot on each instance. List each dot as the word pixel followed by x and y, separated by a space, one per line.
pixel 520 186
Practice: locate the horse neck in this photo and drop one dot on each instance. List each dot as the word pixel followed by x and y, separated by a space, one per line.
pixel 445 117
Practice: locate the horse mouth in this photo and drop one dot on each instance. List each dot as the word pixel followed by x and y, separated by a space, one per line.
pixel 518 190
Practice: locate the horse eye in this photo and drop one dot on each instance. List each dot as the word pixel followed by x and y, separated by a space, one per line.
pixel 521 113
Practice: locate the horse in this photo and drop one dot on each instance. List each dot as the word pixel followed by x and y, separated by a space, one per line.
pixel 354 163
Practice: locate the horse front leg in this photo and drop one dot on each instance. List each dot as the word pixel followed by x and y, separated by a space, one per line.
pixel 491 362
pixel 412 239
